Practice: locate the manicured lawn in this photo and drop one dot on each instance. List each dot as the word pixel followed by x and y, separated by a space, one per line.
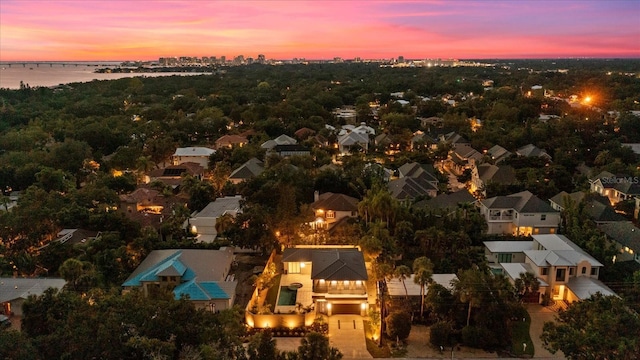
pixel 272 293
pixel 520 335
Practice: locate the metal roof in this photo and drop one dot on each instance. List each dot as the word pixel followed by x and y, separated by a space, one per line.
pixel 21 288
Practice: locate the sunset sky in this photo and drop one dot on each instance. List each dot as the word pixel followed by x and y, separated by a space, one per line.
pixel 146 30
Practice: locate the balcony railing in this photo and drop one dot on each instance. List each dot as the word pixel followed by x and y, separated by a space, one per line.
pixel 361 290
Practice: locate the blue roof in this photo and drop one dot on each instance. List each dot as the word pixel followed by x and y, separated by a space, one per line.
pixel 171 266
pixel 206 290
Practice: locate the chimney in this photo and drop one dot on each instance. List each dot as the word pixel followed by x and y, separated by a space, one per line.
pixel 316 196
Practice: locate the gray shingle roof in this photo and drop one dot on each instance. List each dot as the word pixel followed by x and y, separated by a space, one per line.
pixel 522 202
pixel 253 167
pixel 409 188
pixel 444 201
pixel 221 206
pixel 496 174
pixel 20 288
pixel 330 263
pixel 336 202
pixel 624 233
pixel 338 264
pixel 531 150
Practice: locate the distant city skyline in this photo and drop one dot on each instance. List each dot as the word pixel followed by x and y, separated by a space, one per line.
pixel 147 30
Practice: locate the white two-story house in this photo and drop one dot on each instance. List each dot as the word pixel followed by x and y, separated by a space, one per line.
pixel 519 214
pixel 564 270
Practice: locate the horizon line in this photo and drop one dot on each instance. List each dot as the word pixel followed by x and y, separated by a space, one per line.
pixel 347 59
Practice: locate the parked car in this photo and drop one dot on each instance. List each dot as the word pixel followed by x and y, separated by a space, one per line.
pixel 4 322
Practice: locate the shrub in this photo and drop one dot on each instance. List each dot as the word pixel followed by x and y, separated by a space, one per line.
pixel 398 325
pixel 441 334
pixel 477 337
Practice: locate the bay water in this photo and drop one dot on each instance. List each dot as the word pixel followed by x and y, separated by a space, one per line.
pixel 46 75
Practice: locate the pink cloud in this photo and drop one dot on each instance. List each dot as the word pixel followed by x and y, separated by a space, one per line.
pixel 58 30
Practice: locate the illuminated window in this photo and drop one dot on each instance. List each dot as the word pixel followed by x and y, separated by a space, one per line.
pixel 331 214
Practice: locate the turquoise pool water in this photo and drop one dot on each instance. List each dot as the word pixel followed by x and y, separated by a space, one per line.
pixel 287 296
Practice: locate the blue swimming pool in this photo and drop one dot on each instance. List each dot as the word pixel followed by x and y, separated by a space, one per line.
pixel 287 296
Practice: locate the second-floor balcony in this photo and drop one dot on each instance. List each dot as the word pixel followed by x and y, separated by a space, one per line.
pixel 340 287
pixel 501 218
pixel 501 215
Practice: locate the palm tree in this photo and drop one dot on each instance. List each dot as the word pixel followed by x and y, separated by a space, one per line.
pixel 468 288
pixel 364 208
pixel 526 284
pixel 403 272
pixel 144 165
pixel 423 272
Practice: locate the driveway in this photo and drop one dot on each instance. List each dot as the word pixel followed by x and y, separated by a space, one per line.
pixel 346 332
pixel 539 315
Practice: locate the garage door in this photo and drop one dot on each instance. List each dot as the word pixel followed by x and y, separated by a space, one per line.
pixel 345 309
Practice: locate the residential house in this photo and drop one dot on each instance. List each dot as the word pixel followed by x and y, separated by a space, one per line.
pixel 15 290
pixel 346 113
pixel 597 206
pixel 415 180
pixel 231 141
pixel 519 214
pixel 199 155
pixel 451 137
pixel 353 140
pixel 252 168
pixel 626 237
pixel 205 224
pixel 565 271
pixel 76 236
pixel 386 173
pixel 9 202
pixel 173 175
pixel 544 118
pixel 143 200
pixel 561 200
pixel 333 279
pixel 421 141
pixel 149 207
pixel 485 174
pixel 388 144
pixel 280 140
pixel 531 150
pixel 330 208
pixel 616 188
pixel 304 133
pixel 447 201
pixel 202 276
pixel 290 150
pixel 432 121
pixel 463 157
pixel 498 154
pixel 635 147
pixel 398 288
